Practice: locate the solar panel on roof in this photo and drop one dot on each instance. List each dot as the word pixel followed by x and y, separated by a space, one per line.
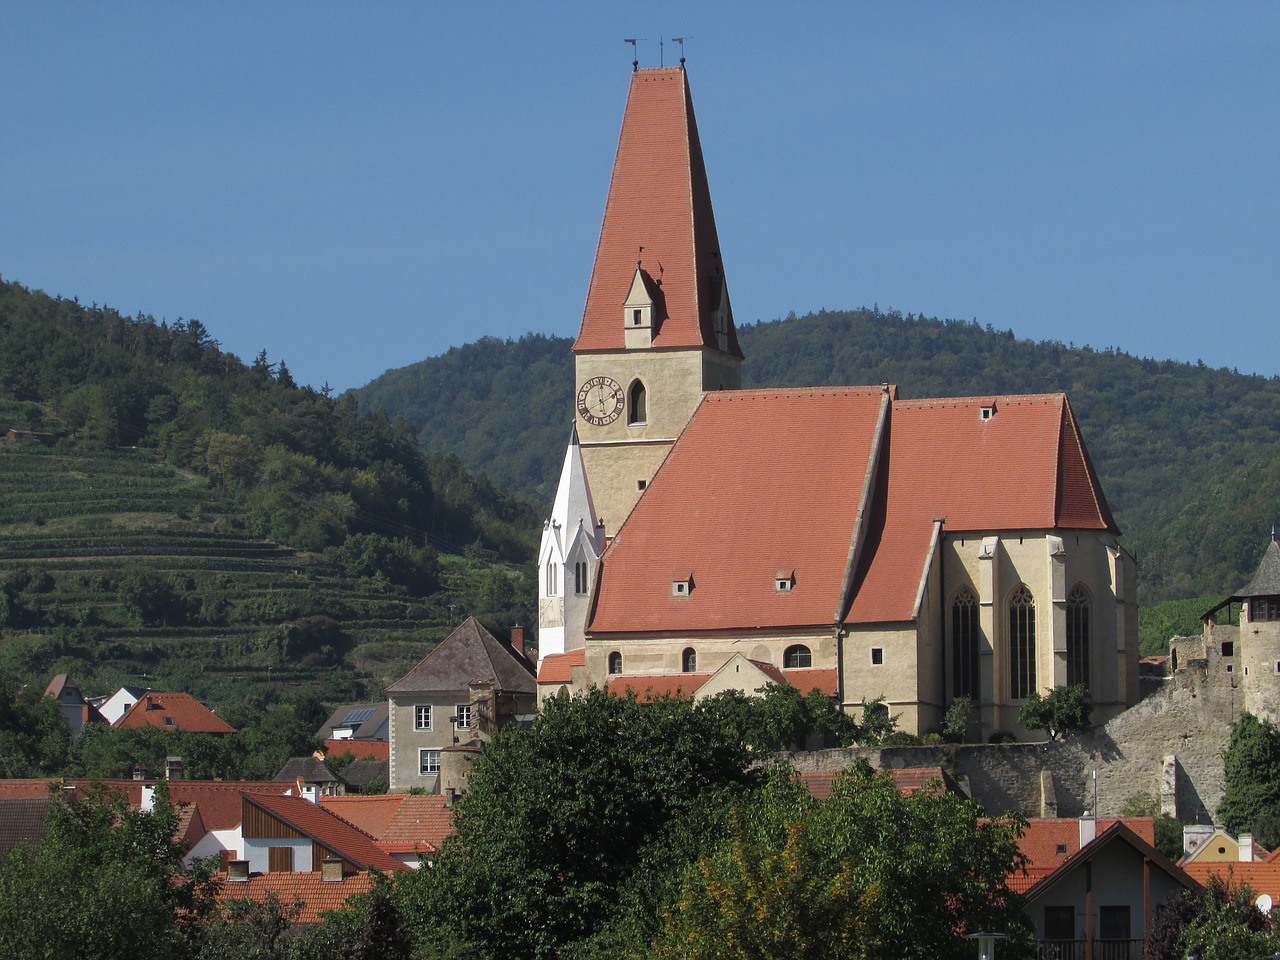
pixel 359 716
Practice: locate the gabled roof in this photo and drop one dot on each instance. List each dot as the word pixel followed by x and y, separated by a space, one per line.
pixel 1116 833
pixel 468 654
pixel 326 829
pixel 655 686
pixel 365 719
pixel 774 479
pixel 308 892
pixel 659 201
pixel 758 480
pixel 173 711
pixel 557 667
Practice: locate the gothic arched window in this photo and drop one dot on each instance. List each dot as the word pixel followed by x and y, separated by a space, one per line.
pixel 1022 643
pixel 615 662
pixel 689 660
pixel 1078 634
pixel 636 404
pixel 966 636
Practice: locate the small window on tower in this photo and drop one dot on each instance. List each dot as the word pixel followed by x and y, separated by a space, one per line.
pixel 641 484
pixel 635 317
pixel 1228 648
pixel 877 655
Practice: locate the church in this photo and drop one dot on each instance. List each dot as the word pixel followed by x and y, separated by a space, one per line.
pixel 704 536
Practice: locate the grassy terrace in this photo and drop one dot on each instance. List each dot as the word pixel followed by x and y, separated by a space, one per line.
pixel 72 527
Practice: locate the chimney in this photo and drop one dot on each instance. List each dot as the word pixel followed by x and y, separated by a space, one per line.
pixel 450 794
pixel 331 869
pixel 238 871
pixel 1246 847
pixel 139 771
pixel 1194 834
pixel 517 639
pixel 1088 829
pixel 172 768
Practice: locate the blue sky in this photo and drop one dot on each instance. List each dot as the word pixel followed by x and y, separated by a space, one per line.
pixel 356 187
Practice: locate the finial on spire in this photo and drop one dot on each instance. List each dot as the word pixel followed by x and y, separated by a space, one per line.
pixel 680 40
pixel 635 54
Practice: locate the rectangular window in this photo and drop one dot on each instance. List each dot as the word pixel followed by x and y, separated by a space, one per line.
pixel 280 859
pixel 422 716
pixel 428 762
pixel 1113 922
pixel 464 716
pixel 877 655
pixel 1060 923
pixel 1228 648
pixel 635 317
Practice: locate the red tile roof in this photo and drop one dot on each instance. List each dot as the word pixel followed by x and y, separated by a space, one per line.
pixel 372 814
pixel 1260 876
pixel 1048 843
pixel 771 479
pixel 557 667
pixel 813 679
pixel 655 686
pixel 312 895
pixel 659 201
pixel 173 711
pixel 360 749
pixel 327 829
pixel 759 480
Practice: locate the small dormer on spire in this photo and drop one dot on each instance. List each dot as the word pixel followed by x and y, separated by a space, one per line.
pixel 641 309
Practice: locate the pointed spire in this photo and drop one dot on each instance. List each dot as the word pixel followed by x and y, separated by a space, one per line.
pixel 573 501
pixel 659 201
pixel 1266 579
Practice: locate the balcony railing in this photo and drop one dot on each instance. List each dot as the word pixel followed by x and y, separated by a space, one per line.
pixel 1102 949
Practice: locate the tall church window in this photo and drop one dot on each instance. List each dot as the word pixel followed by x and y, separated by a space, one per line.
pixel 615 662
pixel 580 577
pixel 797 657
pixel 1022 643
pixel 966 637
pixel 689 660
pixel 636 404
pixel 1078 613
pixel 552 579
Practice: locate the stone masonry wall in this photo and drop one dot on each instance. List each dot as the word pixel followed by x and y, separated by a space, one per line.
pixel 1188 720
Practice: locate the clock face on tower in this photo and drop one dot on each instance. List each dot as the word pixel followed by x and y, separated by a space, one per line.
pixel 600 401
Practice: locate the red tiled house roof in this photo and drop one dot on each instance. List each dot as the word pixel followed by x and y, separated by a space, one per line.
pixel 1262 877
pixel 311 895
pixel 1049 843
pixel 557 667
pixel 659 201
pixel 173 711
pixel 360 749
pixel 324 828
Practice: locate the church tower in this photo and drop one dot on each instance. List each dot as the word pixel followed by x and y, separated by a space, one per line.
pixel 572 542
pixel 657 331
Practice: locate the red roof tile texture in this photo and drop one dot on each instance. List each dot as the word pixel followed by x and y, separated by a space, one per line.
pixel 1049 842
pixel 1260 876
pixel 557 667
pixel 311 895
pixel 772 479
pixel 173 711
pixel 758 481
pixel 328 829
pixel 659 201
pixel 360 749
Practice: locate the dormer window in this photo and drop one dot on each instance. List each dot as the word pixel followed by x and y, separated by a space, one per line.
pixel 682 586
pixel 987 411
pixel 784 581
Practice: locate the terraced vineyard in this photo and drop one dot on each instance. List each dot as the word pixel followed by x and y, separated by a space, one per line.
pixel 117 568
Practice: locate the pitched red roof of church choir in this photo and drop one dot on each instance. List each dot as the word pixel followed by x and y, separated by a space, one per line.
pixel 658 212
pixel 771 480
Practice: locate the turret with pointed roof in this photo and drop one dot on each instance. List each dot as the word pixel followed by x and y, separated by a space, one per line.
pixel 657 330
pixel 572 541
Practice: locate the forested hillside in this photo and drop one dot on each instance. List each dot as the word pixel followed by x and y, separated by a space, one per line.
pixel 172 516
pixel 1189 456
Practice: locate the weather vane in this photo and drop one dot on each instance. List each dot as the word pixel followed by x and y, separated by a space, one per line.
pixel 635 54
pixel 680 40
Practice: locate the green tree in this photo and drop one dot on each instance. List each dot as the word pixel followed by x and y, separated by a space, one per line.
pixel 562 815
pixel 867 873
pixel 1222 922
pixel 1064 710
pixel 35 740
pixel 107 879
pixel 1251 789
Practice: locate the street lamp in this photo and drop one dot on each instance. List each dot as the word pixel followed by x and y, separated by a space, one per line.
pixel 986 943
